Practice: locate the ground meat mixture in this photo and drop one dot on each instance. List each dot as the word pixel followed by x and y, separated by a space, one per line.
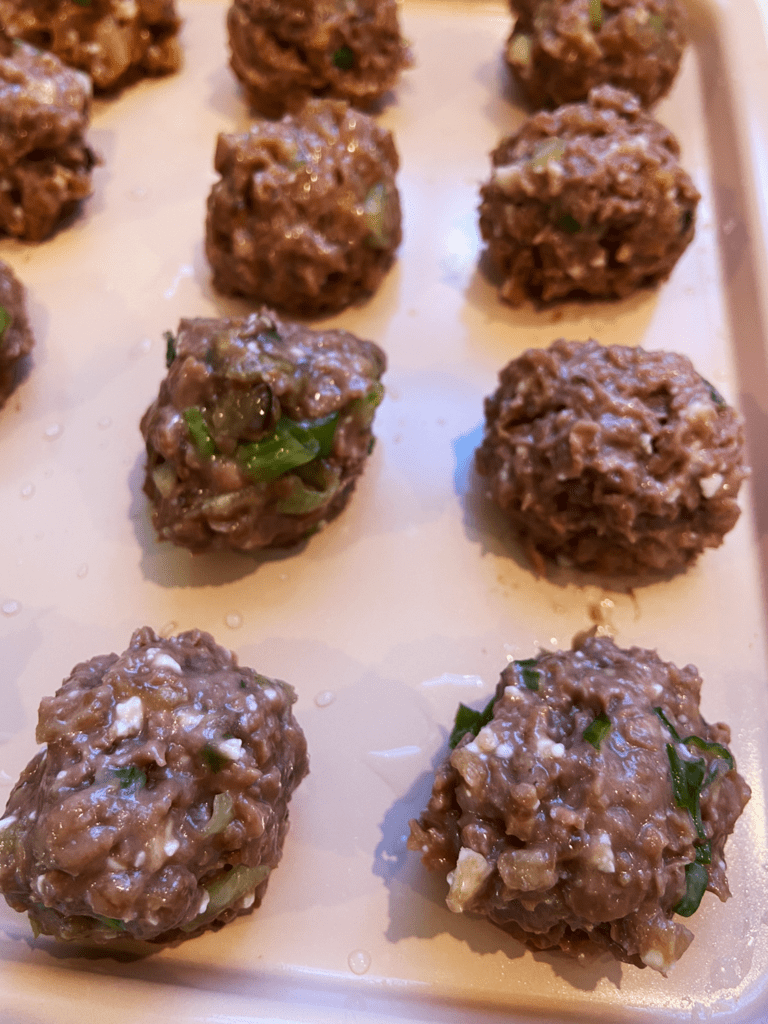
pixel 114 41
pixel 159 804
pixel 306 215
pixel 16 338
pixel 560 49
pixel 259 432
pixel 286 51
pixel 587 806
pixel 612 459
pixel 45 163
pixel 588 200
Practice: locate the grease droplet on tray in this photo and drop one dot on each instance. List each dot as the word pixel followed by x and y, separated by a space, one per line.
pixel 82 571
pixel 27 490
pixel 233 619
pixel 359 961
pixel 104 422
pixel 10 608
pixel 53 431
pixel 324 698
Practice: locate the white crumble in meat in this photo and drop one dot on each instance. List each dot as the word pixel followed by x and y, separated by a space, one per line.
pixel 115 42
pixel 306 214
pixel 163 830
pixel 607 845
pixel 560 49
pixel 16 339
pixel 612 459
pixel 287 51
pixel 259 431
pixel 588 201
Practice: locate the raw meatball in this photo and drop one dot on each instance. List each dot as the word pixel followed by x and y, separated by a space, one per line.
pixel 259 432
pixel 587 805
pixel 560 49
pixel 45 163
pixel 159 805
pixel 306 215
pixel 613 459
pixel 114 41
pixel 286 51
pixel 16 339
pixel 588 200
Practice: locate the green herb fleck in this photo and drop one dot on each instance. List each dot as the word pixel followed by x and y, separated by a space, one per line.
pixel 5 320
pixel 130 777
pixel 343 59
pixel 598 730
pixel 569 224
pixel 289 446
pixel 696 881
pixel 596 14
pixel 170 347
pixel 670 728
pixel 470 721
pixel 111 922
pixel 214 759
pixel 374 209
pixel 714 394
pixel 530 674
pixel 198 429
pixel 546 150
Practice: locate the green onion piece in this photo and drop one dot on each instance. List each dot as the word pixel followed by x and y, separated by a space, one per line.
pixel 704 853
pixel 343 59
pixel 714 394
pixel 289 446
pixel 221 814
pixel 34 924
pixel 710 748
pixel 363 409
pixel 231 887
pixel 548 149
pixel 304 499
pixel 165 479
pixel 170 347
pixel 596 14
pixel 114 923
pixel 670 727
pixel 687 779
pixel 569 224
pixel 213 759
pixel 598 730
pixel 529 673
pixel 130 777
pixel 374 208
pixel 198 429
pixel 696 881
pixel 470 721
pixel 323 431
pixel 5 320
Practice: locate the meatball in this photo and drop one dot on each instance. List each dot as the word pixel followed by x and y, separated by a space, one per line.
pixel 286 51
pixel 16 338
pixel 159 805
pixel 259 431
pixel 45 163
pixel 560 49
pixel 113 41
pixel 612 459
pixel 588 200
pixel 306 214
pixel 587 805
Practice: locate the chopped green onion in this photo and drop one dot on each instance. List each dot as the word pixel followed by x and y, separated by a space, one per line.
pixel 596 14
pixel 671 729
pixel 598 730
pixel 687 779
pixel 231 887
pixel 714 394
pixel 130 777
pixel 373 211
pixel 696 881
pixel 170 347
pixel 5 320
pixel 529 673
pixel 470 721
pixel 213 759
pixel 114 923
pixel 546 150
pixel 164 478
pixel 222 813
pixel 710 748
pixel 343 59
pixel 322 430
pixel 286 449
pixel 364 408
pixel 569 224
pixel 704 853
pixel 303 499
pixel 198 429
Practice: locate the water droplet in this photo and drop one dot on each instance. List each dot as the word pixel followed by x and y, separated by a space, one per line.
pixel 53 431
pixel 233 619
pixel 324 698
pixel 141 349
pixel 10 608
pixel 27 490
pixel 104 422
pixel 82 571
pixel 138 193
pixel 169 628
pixel 359 961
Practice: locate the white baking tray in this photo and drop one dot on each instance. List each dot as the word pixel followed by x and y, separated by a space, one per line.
pixel 414 598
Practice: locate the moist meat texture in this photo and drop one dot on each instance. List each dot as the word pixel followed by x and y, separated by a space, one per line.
pixel 45 163
pixel 612 459
pixel 588 200
pixel 306 214
pixel 590 808
pixel 287 51
pixel 560 49
pixel 259 432
pixel 159 805
pixel 113 41
pixel 16 338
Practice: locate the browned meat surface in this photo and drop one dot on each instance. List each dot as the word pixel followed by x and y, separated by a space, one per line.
pixel 612 459
pixel 286 51
pixel 114 41
pixel 45 163
pixel 588 200
pixel 259 432
pixel 560 49
pixel 306 214
pixel 590 809
pixel 159 804
pixel 16 339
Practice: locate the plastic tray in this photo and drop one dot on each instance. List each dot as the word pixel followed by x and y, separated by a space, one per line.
pixel 414 598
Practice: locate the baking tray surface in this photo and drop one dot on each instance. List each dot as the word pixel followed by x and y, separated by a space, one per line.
pixel 414 598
